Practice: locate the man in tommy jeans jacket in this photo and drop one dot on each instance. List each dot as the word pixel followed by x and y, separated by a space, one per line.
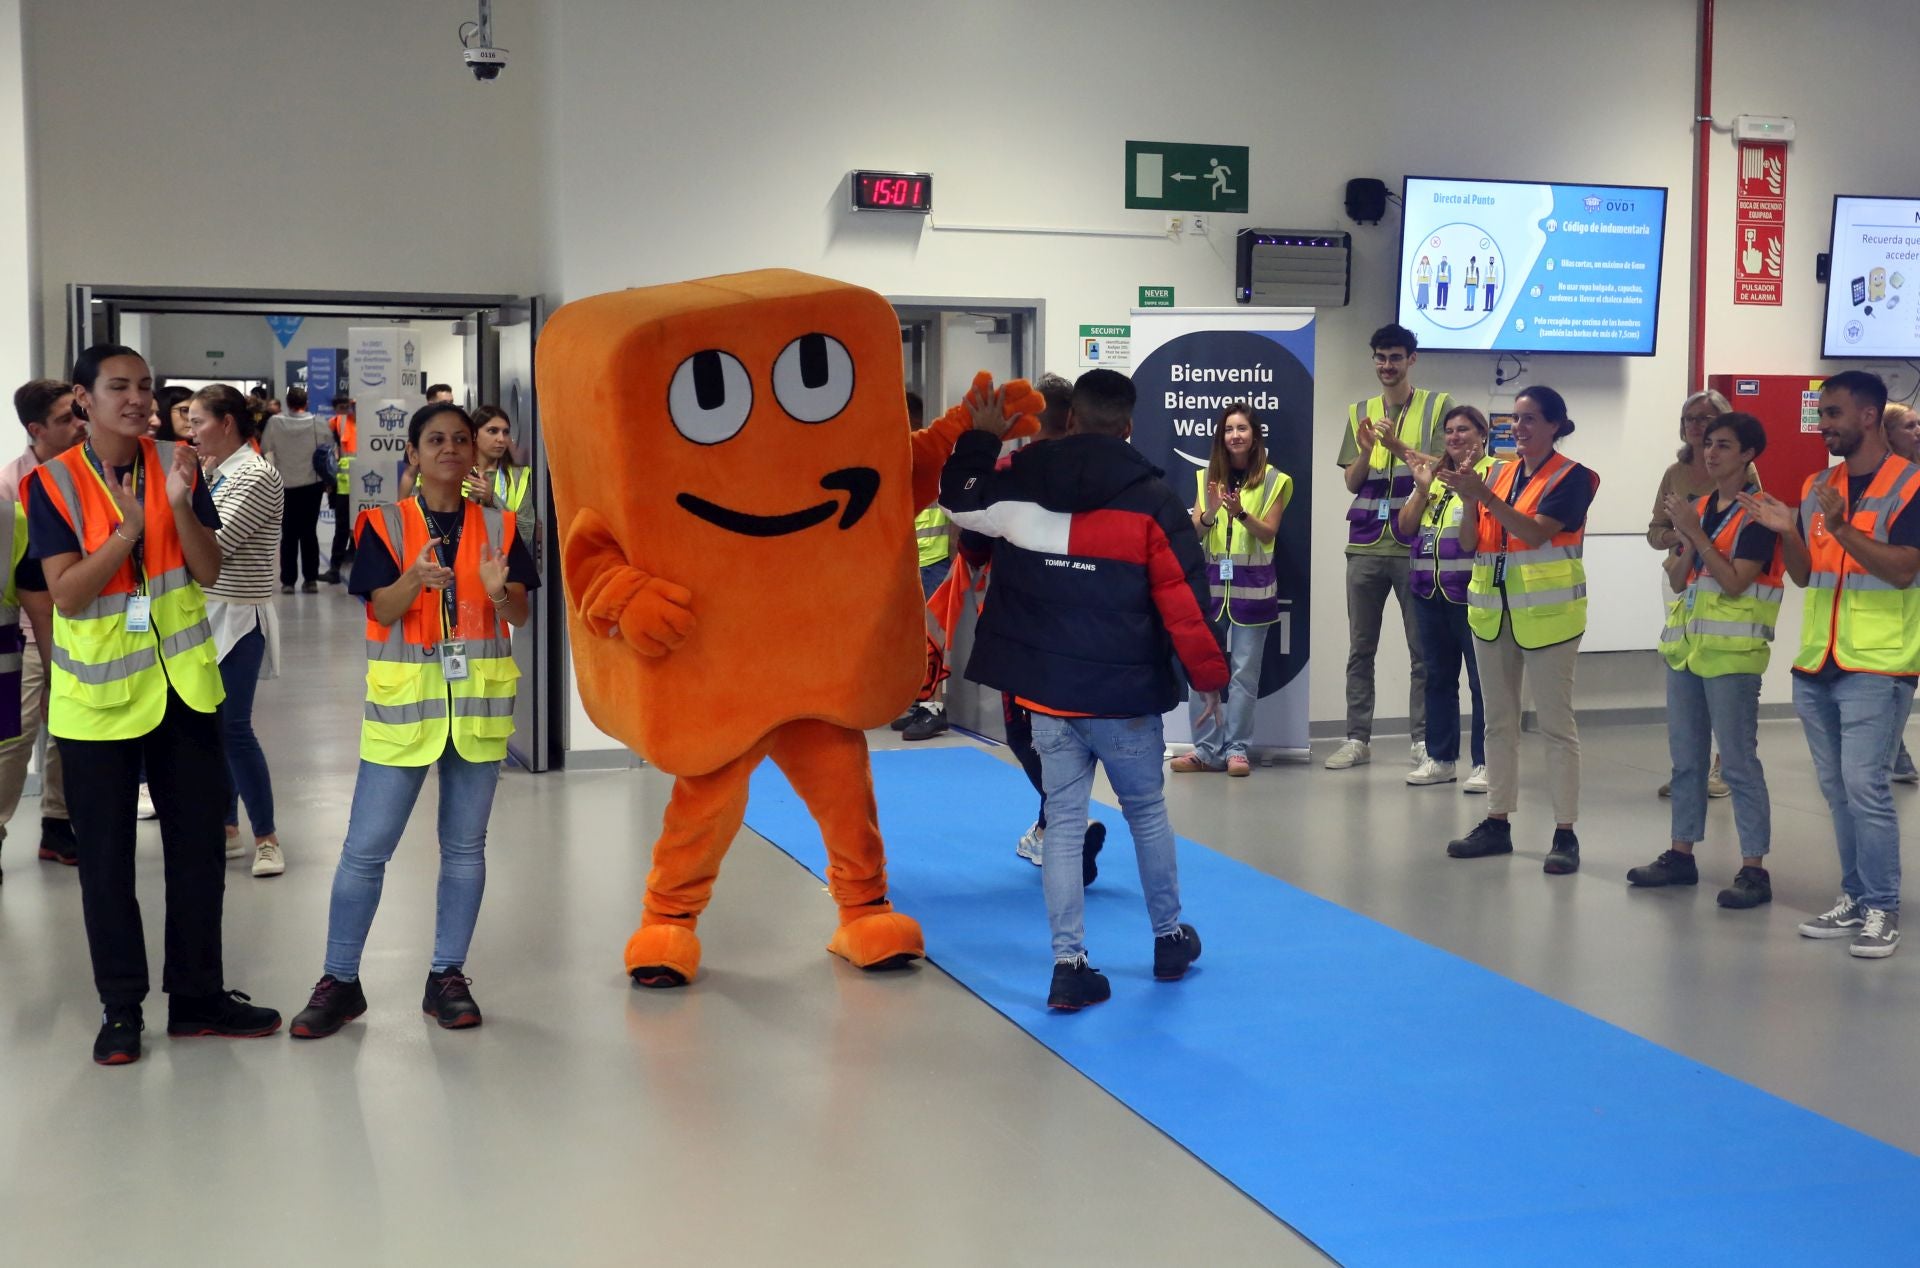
pixel 1098 586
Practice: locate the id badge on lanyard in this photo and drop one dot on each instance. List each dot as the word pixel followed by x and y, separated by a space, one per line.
pixel 140 613
pixel 453 651
pixel 1226 568
pixel 453 660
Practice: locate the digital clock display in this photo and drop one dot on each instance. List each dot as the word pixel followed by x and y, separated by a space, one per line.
pixel 892 191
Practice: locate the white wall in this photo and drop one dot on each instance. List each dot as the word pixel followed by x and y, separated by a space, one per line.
pixel 16 254
pixel 632 143
pixel 280 144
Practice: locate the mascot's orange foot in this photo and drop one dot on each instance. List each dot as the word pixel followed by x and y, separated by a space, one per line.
pixel 663 955
pixel 877 938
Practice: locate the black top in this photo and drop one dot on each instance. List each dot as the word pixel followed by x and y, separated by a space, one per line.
pixel 1756 541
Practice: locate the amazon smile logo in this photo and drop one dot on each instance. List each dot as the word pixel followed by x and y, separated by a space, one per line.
pixel 860 484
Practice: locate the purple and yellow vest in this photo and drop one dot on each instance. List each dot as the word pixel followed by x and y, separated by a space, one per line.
pixel 1375 513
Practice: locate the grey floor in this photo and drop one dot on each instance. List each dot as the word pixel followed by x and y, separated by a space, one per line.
pixel 788 1109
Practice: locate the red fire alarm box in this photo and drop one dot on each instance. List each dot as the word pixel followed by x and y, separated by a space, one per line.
pixel 1789 406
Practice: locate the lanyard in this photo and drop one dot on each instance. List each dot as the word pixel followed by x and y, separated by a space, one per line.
pixel 1399 425
pixel 448 551
pixel 138 556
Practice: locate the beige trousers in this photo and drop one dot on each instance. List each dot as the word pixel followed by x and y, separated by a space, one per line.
pixel 16 753
pixel 1549 672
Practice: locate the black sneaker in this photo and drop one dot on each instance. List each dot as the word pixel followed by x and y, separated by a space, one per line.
pixel 228 1015
pixel 911 716
pixel 1671 868
pixel 118 1042
pixel 1173 953
pixel 1076 984
pixel 1490 837
pixel 1095 839
pixel 448 1001
pixel 930 723
pixel 309 587
pixel 1564 858
pixel 1751 887
pixel 332 1005
pixel 331 576
pixel 57 844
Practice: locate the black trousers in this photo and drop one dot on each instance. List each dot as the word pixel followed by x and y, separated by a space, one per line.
pixel 342 505
pixel 187 777
pixel 300 532
pixel 1019 723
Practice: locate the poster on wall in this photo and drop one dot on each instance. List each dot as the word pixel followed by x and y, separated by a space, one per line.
pixel 1760 224
pixel 1189 363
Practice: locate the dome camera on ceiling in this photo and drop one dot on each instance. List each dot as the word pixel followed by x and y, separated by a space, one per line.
pixel 477 47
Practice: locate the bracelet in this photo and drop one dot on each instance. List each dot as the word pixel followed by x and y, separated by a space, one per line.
pixel 1208 523
pixel 123 537
pixel 504 596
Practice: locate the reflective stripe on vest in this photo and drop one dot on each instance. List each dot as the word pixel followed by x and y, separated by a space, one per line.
pixel 13 548
pixel 1439 563
pixel 1865 624
pixel 1388 481
pixel 412 711
pixel 1253 596
pixel 1546 585
pixel 1711 633
pixel 107 683
pixel 930 533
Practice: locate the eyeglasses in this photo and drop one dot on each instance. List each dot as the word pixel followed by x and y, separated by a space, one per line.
pixel 1382 358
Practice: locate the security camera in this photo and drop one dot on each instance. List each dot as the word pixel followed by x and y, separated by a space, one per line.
pixel 486 62
pixel 476 42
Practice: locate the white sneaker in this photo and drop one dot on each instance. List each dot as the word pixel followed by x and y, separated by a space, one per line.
pixel 1431 771
pixel 145 810
pixel 1419 752
pixel 237 847
pixel 1476 782
pixel 267 860
pixel 1030 844
pixel 1350 754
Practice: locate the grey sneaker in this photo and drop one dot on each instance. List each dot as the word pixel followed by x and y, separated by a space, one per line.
pixel 1716 786
pixel 1879 935
pixel 1030 845
pixel 1350 754
pixel 1840 922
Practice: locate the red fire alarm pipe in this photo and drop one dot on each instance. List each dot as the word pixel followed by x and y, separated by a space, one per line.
pixel 1702 174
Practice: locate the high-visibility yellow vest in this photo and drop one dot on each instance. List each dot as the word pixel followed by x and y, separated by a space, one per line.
pixel 1711 633
pixel 107 682
pixel 509 486
pixel 1546 585
pixel 1389 481
pixel 13 640
pixel 1863 623
pixel 1252 597
pixel 930 533
pixel 412 711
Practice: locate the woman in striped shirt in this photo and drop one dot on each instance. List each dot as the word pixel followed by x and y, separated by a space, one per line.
pixel 251 499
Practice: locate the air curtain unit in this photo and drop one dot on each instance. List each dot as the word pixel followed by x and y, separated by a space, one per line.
pixel 1293 268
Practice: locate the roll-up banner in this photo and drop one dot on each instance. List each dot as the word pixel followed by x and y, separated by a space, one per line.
pixel 1188 365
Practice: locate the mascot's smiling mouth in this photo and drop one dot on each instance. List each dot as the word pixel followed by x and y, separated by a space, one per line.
pixel 858 483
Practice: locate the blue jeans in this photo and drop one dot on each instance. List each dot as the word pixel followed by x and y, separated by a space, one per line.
pixel 1853 727
pixel 1132 750
pixel 1446 641
pixel 933 575
pixel 383 798
pixel 1226 735
pixel 240 672
pixel 1726 709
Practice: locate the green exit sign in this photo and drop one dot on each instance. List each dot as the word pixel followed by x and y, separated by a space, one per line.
pixel 1178 176
pixel 214 354
pixel 1156 297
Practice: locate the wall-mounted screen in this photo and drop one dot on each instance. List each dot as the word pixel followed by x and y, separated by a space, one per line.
pixel 1873 289
pixel 1515 266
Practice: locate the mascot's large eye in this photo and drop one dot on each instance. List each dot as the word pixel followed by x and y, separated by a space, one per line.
pixel 813 378
pixel 710 397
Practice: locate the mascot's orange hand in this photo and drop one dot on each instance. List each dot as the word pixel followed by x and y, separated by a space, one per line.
pixel 933 444
pixel 617 600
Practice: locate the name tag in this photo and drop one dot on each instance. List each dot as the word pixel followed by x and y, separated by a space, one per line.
pixel 140 614
pixel 1226 570
pixel 1386 511
pixel 453 660
pixel 1426 541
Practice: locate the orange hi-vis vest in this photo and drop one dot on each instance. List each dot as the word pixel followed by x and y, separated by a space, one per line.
pixel 108 682
pixel 412 710
pixel 1546 585
pixel 1863 623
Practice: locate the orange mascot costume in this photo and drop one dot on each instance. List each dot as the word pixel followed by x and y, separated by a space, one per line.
pixel 735 483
